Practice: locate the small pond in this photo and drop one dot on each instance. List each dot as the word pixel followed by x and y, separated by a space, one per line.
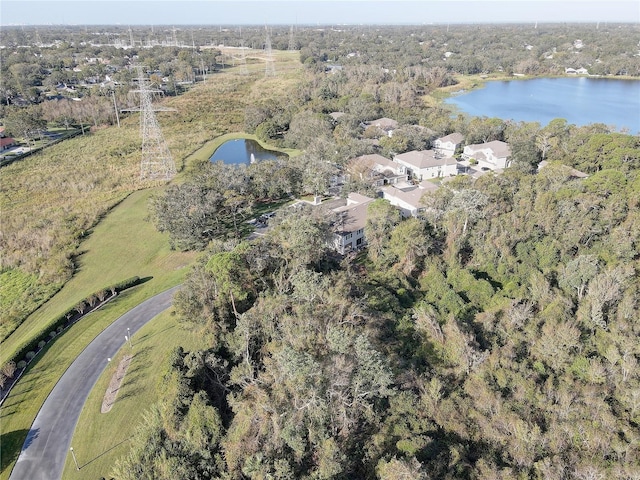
pixel 243 151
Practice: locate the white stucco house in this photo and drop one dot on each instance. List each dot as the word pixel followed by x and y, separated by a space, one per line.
pixel 376 169
pixel 407 198
pixel 448 144
pixel 351 218
pixel 425 164
pixel 491 155
pixel 387 125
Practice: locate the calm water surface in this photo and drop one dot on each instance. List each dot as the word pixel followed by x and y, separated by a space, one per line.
pixel 243 150
pixel 580 101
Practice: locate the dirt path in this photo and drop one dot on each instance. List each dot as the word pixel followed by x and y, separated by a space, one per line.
pixel 115 383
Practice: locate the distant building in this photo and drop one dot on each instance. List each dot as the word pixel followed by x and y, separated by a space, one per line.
pixel 336 115
pixel 6 143
pixel 387 125
pixel 376 170
pixel 572 171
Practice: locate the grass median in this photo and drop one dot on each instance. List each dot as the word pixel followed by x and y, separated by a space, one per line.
pixel 101 438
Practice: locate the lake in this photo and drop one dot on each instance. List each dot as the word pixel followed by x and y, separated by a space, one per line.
pixel 243 150
pixel 579 100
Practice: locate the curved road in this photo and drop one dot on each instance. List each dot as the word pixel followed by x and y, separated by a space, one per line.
pixel 47 445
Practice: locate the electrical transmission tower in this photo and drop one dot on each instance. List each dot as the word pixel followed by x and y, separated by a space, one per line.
pixel 243 59
pixel 270 66
pixel 157 163
pixel 292 42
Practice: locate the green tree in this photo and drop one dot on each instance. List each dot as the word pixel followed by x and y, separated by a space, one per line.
pixel 25 122
pixel 409 244
pixel 382 217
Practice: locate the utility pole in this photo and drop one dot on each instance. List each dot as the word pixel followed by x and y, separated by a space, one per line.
pixel 243 59
pixel 115 107
pixel 74 459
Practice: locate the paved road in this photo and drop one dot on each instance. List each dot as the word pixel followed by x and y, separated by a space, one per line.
pixel 47 445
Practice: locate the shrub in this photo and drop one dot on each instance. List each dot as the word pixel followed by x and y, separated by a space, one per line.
pixel 21 364
pixel 41 344
pixel 59 324
pixel 9 369
pixel 31 354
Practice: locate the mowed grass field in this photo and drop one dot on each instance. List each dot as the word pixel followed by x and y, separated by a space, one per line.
pixel 101 438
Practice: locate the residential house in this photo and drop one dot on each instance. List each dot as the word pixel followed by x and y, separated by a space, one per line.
pixel 407 197
pixel 335 116
pixel 387 125
pixel 6 143
pixel 573 173
pixel 492 155
pixel 351 218
pixel 448 144
pixel 426 164
pixel 376 169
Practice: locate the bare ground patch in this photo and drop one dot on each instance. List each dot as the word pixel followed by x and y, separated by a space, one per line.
pixel 115 384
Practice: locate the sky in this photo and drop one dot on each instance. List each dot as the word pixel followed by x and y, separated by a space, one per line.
pixel 312 12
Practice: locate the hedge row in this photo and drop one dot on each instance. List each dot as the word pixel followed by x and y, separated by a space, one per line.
pixel 73 314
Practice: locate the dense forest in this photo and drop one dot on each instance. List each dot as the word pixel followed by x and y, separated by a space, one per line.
pixel 492 337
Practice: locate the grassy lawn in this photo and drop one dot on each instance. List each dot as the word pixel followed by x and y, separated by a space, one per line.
pixel 100 438
pixel 25 400
pixel 122 246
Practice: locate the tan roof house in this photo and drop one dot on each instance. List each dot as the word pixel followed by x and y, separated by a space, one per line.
pixel 572 171
pixel 387 125
pixel 425 164
pixel 492 155
pixel 351 217
pixel 407 199
pixel 448 144
pixel 376 169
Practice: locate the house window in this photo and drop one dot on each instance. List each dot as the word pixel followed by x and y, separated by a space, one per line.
pixel 359 242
